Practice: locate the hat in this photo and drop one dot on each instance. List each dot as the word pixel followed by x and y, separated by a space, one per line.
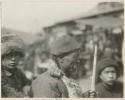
pixel 106 62
pixel 63 45
pixel 11 42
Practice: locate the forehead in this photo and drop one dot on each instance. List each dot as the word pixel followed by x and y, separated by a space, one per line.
pixel 109 68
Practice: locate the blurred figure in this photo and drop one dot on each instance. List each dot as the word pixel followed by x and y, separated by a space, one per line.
pixel 38 59
pixel 14 81
pixel 108 85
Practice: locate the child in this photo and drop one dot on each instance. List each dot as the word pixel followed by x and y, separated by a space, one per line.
pixel 107 83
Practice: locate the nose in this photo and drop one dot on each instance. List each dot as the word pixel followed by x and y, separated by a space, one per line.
pixel 110 75
pixel 13 59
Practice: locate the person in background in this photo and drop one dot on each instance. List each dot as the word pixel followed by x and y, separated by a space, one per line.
pixel 107 84
pixel 14 83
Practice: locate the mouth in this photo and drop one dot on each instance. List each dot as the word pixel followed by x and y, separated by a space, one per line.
pixel 12 65
pixel 111 81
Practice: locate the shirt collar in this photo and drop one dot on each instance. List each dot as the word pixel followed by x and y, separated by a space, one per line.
pixel 8 73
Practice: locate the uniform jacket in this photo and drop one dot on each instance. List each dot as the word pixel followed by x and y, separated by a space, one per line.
pixel 48 87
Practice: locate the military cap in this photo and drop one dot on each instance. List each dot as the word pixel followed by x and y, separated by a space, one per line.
pixel 63 45
pixel 11 42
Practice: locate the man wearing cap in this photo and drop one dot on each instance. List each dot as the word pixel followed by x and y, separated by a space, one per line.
pixel 59 81
pixel 107 84
pixel 50 84
pixel 13 79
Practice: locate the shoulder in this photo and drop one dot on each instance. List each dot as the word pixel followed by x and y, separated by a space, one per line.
pixel 99 86
pixel 119 86
pixel 45 77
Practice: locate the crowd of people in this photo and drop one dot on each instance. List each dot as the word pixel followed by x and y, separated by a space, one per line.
pixel 105 39
pixel 59 66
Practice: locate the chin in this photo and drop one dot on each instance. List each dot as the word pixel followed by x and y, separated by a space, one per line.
pixel 111 83
pixel 11 67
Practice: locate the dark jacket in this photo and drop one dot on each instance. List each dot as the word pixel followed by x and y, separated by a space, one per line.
pixel 12 85
pixel 105 91
pixel 48 87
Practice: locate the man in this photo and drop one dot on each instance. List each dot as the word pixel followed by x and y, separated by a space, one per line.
pixel 107 83
pixel 66 53
pixel 13 79
pixel 49 84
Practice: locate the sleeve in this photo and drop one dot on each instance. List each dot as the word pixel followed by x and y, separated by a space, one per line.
pixel 11 92
pixel 62 88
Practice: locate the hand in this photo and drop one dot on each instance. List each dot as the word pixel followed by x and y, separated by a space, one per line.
pixel 90 94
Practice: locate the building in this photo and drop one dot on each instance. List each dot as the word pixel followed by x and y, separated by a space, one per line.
pixel 103 9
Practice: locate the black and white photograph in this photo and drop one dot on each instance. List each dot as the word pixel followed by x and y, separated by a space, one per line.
pixel 62 49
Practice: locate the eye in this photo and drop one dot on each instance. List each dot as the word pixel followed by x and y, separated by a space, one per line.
pixel 106 72
pixel 113 71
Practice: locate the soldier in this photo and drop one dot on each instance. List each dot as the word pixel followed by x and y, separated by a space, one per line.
pixel 13 79
pixel 50 84
pixel 107 83
pixel 66 53
pixel 59 81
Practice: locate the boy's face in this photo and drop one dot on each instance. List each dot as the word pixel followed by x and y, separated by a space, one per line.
pixel 11 60
pixel 108 75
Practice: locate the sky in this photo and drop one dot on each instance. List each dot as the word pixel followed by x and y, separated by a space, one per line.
pixel 31 15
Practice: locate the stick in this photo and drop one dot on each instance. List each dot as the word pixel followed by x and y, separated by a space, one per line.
pixel 94 69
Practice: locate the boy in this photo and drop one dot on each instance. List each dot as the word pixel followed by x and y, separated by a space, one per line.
pixel 107 83
pixel 13 79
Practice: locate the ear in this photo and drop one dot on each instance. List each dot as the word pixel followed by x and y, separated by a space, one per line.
pixel 100 76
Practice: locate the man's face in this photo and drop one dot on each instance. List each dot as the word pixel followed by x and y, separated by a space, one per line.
pixel 11 60
pixel 108 75
pixel 68 64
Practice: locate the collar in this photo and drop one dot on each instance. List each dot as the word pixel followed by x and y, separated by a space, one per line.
pixel 8 73
pixel 109 87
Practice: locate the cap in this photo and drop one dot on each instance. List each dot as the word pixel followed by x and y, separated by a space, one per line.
pixel 64 44
pixel 11 42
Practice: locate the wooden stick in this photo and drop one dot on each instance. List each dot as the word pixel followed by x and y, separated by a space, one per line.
pixel 94 69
